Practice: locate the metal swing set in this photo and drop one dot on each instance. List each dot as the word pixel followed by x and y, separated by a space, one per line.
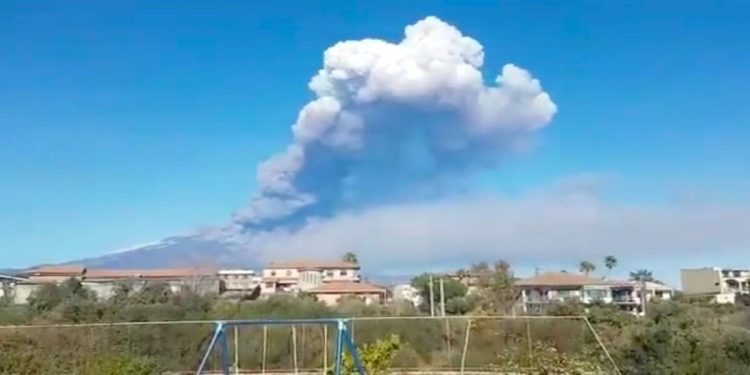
pixel 343 341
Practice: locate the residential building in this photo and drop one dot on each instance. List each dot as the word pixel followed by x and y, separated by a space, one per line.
pixel 104 281
pixel 470 280
pixel 53 273
pixel 200 281
pixel 332 292
pixel 406 293
pixel 540 291
pixel 721 285
pixel 239 282
pixel 296 276
pixel 657 291
pixel 7 286
pixel 32 279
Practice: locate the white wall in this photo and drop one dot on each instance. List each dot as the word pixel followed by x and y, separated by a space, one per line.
pixel 240 282
pixel 22 293
pixel 338 274
pixel 701 281
pixel 281 272
pixel 407 293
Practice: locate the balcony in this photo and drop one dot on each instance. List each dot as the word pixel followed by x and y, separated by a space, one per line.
pixel 624 299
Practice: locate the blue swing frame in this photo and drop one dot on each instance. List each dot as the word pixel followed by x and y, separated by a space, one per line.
pixel 343 338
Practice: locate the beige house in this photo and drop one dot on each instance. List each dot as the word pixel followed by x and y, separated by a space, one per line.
pixel 8 285
pixel 54 273
pixel 296 276
pixel 239 282
pixel 201 281
pixel 33 278
pixel 331 293
pixel 721 285
pixel 104 281
pixel 540 291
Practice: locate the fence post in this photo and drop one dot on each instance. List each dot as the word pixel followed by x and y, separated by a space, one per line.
pixel 448 341
pixel 294 348
pixel 224 350
pixel 236 351
pixel 217 332
pixel 466 346
pixel 601 344
pixel 265 345
pixel 339 343
pixel 347 339
pixel 325 349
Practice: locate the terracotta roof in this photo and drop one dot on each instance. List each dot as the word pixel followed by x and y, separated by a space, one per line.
pixel 165 273
pixel 567 279
pixel 56 271
pixel 312 264
pixel 347 287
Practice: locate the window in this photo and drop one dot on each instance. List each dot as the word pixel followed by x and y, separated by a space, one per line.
pixel 269 285
pixel 329 273
pixel 596 294
pixel 288 272
pixel 273 273
pixel 343 272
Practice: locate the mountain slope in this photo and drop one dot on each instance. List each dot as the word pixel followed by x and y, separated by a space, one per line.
pixel 182 251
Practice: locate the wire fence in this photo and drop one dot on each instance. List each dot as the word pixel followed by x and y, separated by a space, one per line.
pixel 490 344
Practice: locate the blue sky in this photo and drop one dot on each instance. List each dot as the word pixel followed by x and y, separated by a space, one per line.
pixel 122 124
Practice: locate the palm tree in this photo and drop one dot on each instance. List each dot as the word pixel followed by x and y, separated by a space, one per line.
pixel 350 257
pixel 610 262
pixel 641 275
pixel 587 267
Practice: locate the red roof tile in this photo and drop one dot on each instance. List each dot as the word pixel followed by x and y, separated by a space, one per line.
pixel 56 271
pixel 166 273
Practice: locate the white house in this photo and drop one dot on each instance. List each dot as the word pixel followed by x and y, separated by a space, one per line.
pixel 721 285
pixel 406 293
pixel 303 275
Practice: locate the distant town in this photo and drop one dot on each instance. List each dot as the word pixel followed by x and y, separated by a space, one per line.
pixel 331 281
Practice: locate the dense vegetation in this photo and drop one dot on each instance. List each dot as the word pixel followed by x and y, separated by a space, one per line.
pixel 677 337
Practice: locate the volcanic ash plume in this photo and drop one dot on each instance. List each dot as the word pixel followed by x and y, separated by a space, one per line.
pixel 396 121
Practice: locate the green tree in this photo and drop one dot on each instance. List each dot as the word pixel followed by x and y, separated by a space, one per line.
pixel 48 296
pixel 350 257
pixel 685 339
pixel 7 290
pixel 587 267
pixel 495 291
pixel 376 357
pixel 610 262
pixel 548 360
pixel 44 298
pixel 152 293
pixel 121 293
pixel 641 275
pixel 455 294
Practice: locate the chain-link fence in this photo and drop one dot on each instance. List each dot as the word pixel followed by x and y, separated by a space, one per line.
pixel 426 345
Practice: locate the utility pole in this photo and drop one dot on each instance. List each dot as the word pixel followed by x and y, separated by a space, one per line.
pixel 442 296
pixel 644 297
pixel 432 297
